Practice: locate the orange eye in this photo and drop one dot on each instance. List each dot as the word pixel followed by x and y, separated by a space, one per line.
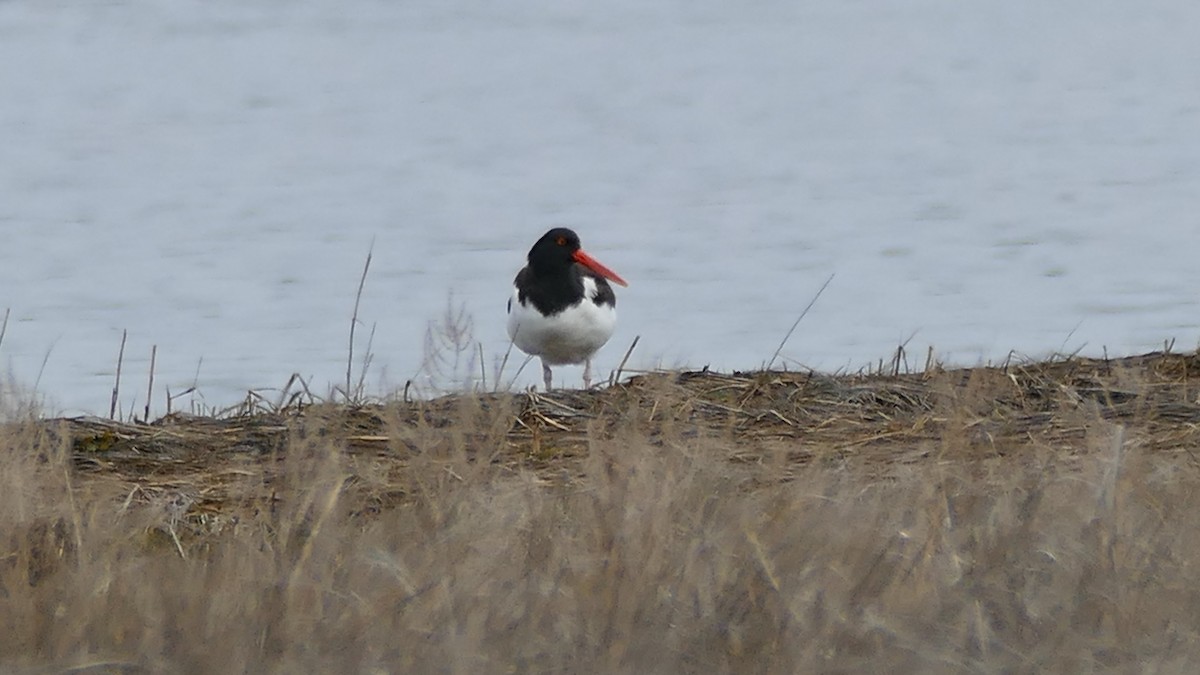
pixel 561 241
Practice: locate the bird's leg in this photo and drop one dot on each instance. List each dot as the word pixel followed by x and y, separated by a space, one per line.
pixel 546 375
pixel 587 374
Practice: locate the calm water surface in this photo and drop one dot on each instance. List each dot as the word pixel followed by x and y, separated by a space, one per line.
pixel 210 177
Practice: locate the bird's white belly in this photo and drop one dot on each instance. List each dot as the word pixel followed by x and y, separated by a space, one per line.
pixel 571 336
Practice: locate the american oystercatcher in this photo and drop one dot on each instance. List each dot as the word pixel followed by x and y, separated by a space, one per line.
pixel 562 308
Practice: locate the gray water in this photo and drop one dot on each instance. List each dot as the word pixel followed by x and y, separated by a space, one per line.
pixel 209 176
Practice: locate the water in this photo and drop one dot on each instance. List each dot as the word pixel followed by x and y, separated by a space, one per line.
pixel 209 176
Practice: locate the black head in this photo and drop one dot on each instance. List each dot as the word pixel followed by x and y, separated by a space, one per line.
pixel 555 251
pixel 557 254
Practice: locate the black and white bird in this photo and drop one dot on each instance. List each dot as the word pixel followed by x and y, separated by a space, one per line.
pixel 562 308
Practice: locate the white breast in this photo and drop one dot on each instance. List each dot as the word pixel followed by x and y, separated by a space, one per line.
pixel 571 336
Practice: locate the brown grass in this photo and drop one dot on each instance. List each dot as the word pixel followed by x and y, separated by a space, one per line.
pixel 1022 519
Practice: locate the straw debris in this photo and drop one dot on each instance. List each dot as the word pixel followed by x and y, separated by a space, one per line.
pixel 789 419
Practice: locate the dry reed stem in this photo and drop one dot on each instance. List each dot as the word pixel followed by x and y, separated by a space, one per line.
pixel 112 410
pixel 349 394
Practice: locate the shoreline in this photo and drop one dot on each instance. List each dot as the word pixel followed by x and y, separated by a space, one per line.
pixel 869 423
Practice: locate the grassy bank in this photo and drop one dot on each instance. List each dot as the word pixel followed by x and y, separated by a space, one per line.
pixel 1027 518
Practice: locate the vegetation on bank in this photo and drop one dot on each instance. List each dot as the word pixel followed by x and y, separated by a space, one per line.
pixel 1028 517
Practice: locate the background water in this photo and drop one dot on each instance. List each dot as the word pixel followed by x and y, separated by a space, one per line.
pixel 980 177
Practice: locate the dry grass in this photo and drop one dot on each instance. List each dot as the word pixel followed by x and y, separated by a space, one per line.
pixel 1022 519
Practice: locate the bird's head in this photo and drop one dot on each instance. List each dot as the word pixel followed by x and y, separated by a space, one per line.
pixel 559 248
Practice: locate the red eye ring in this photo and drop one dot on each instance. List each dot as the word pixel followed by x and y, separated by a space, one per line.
pixel 561 241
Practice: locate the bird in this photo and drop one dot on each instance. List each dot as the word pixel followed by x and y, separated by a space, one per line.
pixel 562 308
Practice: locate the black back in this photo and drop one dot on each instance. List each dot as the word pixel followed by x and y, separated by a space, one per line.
pixel 552 280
